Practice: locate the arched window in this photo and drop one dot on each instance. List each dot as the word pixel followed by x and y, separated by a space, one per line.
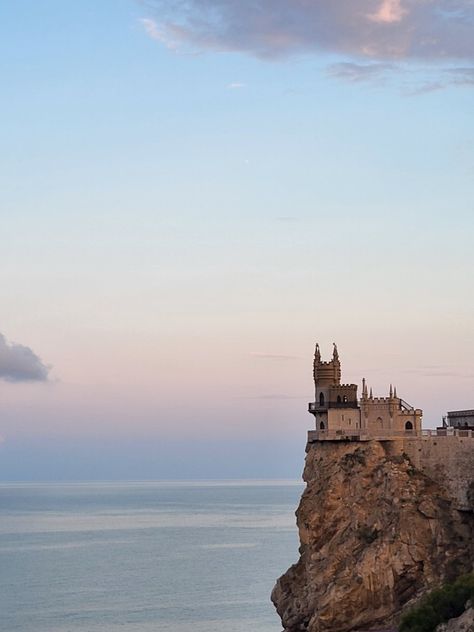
pixel 339 400
pixel 321 399
pixel 408 425
pixel 322 426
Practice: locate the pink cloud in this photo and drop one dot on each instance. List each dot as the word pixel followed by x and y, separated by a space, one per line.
pixel 388 12
pixel 419 30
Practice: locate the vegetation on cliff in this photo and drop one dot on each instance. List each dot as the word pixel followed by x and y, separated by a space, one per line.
pixel 439 606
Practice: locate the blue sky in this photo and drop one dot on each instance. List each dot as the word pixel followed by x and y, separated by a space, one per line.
pixel 183 218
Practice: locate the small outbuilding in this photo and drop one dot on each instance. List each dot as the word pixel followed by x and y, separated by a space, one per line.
pixel 462 419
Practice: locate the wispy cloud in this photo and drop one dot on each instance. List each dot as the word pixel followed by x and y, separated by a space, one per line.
pixel 436 80
pixel 236 85
pixel 271 356
pixel 20 364
pixel 163 35
pixel 439 371
pixel 414 80
pixel 460 75
pixel 356 73
pixel 279 396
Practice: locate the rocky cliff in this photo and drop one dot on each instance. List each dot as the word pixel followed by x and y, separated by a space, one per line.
pixel 375 533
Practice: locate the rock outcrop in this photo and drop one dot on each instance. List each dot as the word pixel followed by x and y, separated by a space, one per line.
pixel 464 623
pixel 375 534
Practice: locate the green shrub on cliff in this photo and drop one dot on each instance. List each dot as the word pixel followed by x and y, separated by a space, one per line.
pixel 439 606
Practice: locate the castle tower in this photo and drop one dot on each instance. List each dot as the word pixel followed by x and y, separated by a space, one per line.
pixel 335 404
pixel 326 373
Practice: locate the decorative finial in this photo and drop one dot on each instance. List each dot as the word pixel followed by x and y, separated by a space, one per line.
pixel 371 396
pixel 335 354
pixel 395 391
pixel 317 353
pixel 391 391
pixel 364 388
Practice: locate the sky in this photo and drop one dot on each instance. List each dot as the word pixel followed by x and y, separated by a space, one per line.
pixel 193 193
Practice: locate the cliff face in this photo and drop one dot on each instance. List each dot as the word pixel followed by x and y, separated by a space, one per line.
pixel 375 533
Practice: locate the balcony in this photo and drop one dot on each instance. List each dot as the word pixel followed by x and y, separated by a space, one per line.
pixel 314 407
pixel 343 405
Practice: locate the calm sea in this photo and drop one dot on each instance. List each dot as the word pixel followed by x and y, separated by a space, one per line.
pixel 137 557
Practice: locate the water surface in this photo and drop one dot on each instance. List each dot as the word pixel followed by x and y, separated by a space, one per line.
pixel 137 557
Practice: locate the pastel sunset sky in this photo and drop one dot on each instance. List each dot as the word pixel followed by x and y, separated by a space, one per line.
pixel 193 193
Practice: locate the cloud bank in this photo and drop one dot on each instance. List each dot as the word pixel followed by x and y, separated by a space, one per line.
pixel 20 364
pixel 384 30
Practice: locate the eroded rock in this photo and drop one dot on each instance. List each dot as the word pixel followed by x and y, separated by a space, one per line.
pixel 375 533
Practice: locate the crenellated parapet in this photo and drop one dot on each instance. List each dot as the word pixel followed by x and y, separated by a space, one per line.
pixel 326 373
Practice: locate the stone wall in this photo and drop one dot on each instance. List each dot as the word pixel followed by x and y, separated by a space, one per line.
pixel 387 414
pixel 447 457
pixel 447 460
pixel 344 419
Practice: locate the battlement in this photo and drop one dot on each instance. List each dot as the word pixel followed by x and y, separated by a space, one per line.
pixel 362 435
pixel 393 399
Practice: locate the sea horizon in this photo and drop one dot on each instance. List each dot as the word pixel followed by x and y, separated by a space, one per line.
pixel 145 555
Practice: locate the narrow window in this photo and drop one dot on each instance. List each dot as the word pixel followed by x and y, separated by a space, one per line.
pixel 339 400
pixel 408 425
pixel 322 426
pixel 321 399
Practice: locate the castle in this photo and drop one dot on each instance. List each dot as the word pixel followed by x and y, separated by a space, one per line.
pixel 339 413
pixel 445 454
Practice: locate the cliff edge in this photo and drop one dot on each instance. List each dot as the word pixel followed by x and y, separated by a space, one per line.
pixel 375 533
